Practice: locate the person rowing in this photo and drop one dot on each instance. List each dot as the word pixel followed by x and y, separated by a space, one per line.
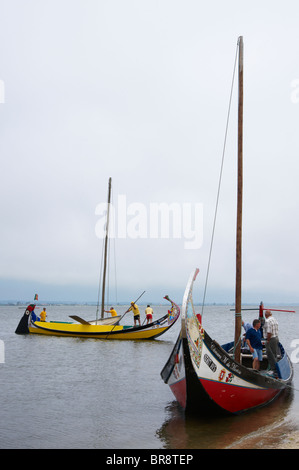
pixel 135 309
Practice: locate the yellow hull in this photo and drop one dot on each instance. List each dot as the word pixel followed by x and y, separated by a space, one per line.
pixel 96 331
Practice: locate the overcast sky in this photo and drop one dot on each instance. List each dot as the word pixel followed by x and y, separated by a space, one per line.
pixel 138 91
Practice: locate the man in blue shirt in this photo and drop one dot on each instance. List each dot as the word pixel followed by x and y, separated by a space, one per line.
pixel 253 339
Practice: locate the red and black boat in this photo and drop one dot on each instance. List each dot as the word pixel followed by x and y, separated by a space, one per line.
pixel 205 376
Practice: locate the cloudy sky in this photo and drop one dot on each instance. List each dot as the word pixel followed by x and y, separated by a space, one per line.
pixel 138 90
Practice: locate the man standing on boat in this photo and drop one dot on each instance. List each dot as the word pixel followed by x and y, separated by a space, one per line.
pixel 253 339
pixel 43 315
pixel 136 313
pixel 271 336
pixel 149 314
pixel 112 311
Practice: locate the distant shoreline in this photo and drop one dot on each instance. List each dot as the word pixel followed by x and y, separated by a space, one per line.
pixel 21 303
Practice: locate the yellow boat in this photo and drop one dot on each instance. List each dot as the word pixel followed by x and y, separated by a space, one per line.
pixel 87 330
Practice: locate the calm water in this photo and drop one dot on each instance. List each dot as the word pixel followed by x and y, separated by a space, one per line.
pixel 75 393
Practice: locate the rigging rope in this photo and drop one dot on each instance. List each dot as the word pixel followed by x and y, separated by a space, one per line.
pixel 220 178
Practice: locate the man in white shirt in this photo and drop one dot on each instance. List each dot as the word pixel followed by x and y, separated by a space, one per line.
pixel 271 336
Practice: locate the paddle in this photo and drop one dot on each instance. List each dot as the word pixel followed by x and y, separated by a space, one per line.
pixel 125 313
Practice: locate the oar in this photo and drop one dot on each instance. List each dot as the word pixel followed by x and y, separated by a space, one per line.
pixel 79 319
pixel 125 313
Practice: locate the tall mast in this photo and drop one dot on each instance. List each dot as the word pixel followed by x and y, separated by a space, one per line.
pixel 238 298
pixel 106 250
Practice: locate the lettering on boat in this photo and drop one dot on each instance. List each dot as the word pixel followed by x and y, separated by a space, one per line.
pixel 215 351
pixel 235 368
pixel 229 363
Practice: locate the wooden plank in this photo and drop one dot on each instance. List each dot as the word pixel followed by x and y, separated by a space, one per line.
pixel 79 319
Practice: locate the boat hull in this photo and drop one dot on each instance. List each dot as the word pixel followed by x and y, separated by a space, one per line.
pixel 217 386
pixel 96 331
pixel 174 373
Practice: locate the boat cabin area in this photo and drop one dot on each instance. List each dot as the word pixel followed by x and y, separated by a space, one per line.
pixel 246 358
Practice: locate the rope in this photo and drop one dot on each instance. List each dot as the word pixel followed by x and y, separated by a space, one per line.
pixel 235 346
pixel 220 178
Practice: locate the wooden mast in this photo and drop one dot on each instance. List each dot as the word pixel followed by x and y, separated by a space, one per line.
pixel 238 298
pixel 106 250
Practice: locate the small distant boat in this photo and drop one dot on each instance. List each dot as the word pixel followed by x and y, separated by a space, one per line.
pixel 207 378
pixel 111 320
pixel 103 327
pixel 84 329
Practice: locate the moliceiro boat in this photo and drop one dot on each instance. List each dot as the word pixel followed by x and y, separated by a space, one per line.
pixel 204 376
pixel 206 379
pixel 29 325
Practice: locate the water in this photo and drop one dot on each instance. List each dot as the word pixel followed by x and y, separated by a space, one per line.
pixel 71 393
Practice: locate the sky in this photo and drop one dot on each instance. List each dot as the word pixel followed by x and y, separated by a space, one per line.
pixel 138 90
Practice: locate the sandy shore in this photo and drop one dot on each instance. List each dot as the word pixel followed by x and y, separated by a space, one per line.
pixel 290 442
pixel 282 437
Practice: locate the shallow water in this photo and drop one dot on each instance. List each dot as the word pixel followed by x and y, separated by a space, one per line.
pixel 108 394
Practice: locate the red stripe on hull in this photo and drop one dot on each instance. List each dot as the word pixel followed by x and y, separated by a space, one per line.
pixel 236 399
pixel 179 391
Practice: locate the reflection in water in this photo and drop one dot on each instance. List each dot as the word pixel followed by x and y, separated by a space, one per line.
pixel 248 430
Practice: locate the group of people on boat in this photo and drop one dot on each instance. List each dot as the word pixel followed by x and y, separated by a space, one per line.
pixel 148 313
pixel 42 316
pixel 253 340
pixel 112 312
pixel 136 313
pixel 134 307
